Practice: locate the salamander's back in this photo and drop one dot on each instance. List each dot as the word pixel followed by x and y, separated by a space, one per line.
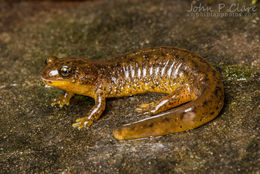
pixel 159 69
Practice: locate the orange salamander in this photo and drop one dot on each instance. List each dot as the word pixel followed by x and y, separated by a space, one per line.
pixel 195 89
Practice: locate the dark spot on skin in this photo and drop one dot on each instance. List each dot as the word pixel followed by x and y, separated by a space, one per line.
pixel 150 125
pixel 182 115
pixel 132 128
pixel 196 66
pixel 163 54
pixel 206 79
pixel 182 59
pixel 50 82
pixel 217 108
pixel 166 119
pixel 193 69
pixel 180 126
pixel 212 113
pixel 205 102
pixel 216 90
pixel 200 119
pixel 131 60
pixel 185 73
pixel 145 56
pixel 193 62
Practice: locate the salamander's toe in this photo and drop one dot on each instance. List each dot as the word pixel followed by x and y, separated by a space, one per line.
pixel 82 122
pixel 61 101
pixel 77 125
pixel 144 109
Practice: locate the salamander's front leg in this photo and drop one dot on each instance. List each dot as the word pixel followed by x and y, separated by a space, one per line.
pixel 63 100
pixel 94 113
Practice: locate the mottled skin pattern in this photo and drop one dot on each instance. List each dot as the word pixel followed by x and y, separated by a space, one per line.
pixel 188 80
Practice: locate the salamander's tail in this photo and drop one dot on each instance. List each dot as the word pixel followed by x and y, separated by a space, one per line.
pixel 188 116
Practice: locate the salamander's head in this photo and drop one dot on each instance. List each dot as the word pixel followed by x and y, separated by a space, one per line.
pixel 67 73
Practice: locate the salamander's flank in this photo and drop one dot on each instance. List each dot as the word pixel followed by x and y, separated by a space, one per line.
pixel 194 88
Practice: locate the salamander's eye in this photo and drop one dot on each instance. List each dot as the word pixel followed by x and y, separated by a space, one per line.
pixel 65 71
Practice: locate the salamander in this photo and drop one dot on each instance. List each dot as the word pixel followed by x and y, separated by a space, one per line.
pixel 194 89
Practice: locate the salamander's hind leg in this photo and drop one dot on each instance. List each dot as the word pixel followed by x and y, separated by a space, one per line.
pixel 178 97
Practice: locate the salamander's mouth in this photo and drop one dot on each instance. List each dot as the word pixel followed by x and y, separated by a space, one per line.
pixel 56 83
pixel 47 82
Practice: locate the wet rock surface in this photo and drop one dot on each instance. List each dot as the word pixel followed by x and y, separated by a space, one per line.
pixel 36 137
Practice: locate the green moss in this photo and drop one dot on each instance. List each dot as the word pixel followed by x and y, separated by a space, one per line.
pixel 237 73
pixel 254 1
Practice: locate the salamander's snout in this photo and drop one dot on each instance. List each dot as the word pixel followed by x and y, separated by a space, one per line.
pixel 50 71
